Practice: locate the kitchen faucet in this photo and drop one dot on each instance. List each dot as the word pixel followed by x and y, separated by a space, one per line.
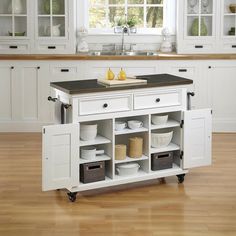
pixel 125 30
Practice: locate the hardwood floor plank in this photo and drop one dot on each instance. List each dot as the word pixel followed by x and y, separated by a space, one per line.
pixel 204 205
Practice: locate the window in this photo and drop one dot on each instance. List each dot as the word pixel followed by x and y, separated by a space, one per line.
pixel 149 15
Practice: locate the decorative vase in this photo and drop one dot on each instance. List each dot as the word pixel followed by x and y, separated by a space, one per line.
pixel 56 30
pixel 17 7
pixel 55 7
pixel 195 28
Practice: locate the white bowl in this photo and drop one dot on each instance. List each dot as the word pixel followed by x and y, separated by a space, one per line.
pixel 160 140
pixel 127 169
pixel 88 132
pixel 159 120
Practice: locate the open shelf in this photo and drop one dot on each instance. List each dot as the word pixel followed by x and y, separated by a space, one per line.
pixel 107 179
pixel 128 159
pixel 98 140
pixel 170 123
pixel 130 131
pixel 98 158
pixel 174 168
pixel 170 147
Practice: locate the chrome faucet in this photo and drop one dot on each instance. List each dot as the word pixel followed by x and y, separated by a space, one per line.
pixel 125 30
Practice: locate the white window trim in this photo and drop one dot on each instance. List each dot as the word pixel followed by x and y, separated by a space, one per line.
pixel 169 20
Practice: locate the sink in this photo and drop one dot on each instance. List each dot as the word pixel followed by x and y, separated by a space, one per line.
pixel 126 53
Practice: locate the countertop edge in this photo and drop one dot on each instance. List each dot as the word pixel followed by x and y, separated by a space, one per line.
pixel 78 57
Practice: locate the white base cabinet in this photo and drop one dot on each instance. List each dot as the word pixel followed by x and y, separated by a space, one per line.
pixel 61 159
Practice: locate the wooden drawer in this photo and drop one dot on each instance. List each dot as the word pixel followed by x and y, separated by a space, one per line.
pixel 99 105
pixel 159 99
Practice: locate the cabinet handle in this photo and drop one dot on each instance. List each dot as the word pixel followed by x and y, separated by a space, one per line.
pixel 233 46
pixel 51 47
pixel 65 70
pixel 183 70
pixel 52 99
pixel 13 47
pixel 198 46
pixel 158 100
pixel 105 105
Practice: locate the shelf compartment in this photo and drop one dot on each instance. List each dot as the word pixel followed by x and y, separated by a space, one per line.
pixel 130 131
pixel 170 147
pixel 139 174
pixel 98 140
pixel 174 167
pixel 6 25
pixel 128 159
pixel 98 158
pixel 170 123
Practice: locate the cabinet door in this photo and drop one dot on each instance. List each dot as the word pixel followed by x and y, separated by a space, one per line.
pixel 60 155
pixel 197 138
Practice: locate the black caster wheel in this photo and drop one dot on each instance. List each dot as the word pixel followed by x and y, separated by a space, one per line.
pixel 181 178
pixel 72 196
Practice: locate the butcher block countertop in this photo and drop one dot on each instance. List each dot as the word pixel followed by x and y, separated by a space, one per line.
pixel 92 86
pixel 161 56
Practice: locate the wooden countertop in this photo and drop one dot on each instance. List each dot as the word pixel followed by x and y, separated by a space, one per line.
pixel 170 56
pixel 92 86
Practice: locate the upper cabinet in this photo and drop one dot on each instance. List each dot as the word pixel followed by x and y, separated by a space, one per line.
pixel 55 26
pixel 196 31
pixel 37 26
pixel 206 26
pixel 15 28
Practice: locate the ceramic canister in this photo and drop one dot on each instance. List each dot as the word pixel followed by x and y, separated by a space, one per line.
pixel 120 152
pixel 135 147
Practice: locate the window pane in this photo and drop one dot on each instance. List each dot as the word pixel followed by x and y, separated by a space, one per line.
pixel 97 18
pixel 97 2
pixel 154 1
pixel 154 17
pixel 135 1
pixel 114 13
pixel 116 1
pixel 136 13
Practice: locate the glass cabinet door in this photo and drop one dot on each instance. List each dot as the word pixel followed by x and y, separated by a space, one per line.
pixel 229 18
pixel 51 18
pixel 200 15
pixel 13 18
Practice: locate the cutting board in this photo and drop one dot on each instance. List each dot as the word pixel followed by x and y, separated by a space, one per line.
pixel 128 81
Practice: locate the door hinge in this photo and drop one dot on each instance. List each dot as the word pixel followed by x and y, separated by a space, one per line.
pixel 44 130
pixel 181 155
pixel 211 112
pixel 181 124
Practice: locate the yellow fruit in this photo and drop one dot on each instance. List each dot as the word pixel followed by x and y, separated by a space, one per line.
pixel 110 75
pixel 122 75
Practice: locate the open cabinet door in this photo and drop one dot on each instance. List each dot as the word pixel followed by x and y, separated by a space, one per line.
pixel 197 138
pixel 60 156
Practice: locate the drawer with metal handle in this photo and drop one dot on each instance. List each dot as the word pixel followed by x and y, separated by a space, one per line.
pixel 100 105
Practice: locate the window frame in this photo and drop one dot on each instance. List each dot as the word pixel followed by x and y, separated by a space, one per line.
pixel 169 20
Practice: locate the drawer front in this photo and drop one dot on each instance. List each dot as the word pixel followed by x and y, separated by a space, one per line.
pixel 199 47
pixel 63 72
pixel 155 100
pixel 99 105
pixel 184 71
pixel 14 48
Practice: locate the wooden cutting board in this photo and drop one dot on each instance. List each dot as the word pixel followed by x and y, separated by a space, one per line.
pixel 128 81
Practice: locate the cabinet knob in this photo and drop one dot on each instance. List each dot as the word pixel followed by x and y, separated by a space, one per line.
pixel 105 105
pixel 209 67
pixel 12 67
pixel 158 100
pixel 38 67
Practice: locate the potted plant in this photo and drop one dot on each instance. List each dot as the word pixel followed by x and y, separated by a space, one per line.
pixel 132 22
pixel 119 23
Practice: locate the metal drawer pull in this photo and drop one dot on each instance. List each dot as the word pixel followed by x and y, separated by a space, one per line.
pixel 13 47
pixel 65 70
pixel 198 46
pixel 183 70
pixel 51 47
pixel 105 105
pixel 233 46
pixel 158 100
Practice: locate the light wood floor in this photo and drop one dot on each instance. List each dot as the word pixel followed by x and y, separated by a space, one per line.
pixel 204 205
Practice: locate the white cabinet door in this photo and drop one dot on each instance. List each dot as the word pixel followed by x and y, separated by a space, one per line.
pixel 60 157
pixel 197 138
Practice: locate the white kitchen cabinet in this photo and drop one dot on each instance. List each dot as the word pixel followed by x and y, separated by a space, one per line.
pixel 25 88
pixel 61 143
pixel 54 26
pixel 15 26
pixel 220 77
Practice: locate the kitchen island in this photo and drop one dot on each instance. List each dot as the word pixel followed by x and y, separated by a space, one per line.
pixel 80 105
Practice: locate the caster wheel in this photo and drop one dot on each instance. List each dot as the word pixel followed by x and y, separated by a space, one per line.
pixel 181 178
pixel 72 196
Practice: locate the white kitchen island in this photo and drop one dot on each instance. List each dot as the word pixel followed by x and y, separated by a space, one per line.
pixel 87 102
